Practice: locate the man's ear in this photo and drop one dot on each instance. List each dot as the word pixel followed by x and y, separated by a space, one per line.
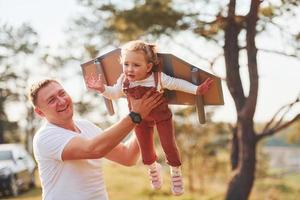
pixel 149 67
pixel 39 112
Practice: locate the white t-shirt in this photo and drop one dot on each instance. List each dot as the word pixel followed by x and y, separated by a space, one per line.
pixel 66 180
pixel 168 82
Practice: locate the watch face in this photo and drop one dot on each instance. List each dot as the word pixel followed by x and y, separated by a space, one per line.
pixel 135 117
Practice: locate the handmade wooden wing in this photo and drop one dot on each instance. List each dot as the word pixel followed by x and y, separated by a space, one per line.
pixel 109 66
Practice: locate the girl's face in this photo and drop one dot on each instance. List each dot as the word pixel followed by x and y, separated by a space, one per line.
pixel 135 65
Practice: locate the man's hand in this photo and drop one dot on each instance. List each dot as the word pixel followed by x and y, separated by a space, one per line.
pixel 144 105
pixel 95 82
pixel 204 87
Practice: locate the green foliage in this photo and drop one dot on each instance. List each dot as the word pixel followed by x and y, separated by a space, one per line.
pixel 109 24
pixel 293 137
pixel 122 22
pixel 16 43
pixel 201 146
pixel 267 11
pixel 262 164
pixel 289 137
pixel 146 17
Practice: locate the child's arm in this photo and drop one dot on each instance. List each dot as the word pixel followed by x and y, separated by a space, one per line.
pixel 95 83
pixel 204 87
pixel 172 83
pixel 110 92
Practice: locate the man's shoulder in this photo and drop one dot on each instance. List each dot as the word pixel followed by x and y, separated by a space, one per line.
pixel 83 122
pixel 45 129
pixel 88 125
pixel 42 136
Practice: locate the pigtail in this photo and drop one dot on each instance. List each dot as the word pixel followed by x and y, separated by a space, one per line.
pixel 152 56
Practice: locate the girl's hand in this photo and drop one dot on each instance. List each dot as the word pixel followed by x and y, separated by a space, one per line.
pixel 95 83
pixel 204 87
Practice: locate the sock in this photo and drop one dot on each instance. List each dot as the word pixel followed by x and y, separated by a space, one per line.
pixel 175 170
pixel 153 165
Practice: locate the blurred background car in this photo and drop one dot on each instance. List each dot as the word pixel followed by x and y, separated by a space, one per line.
pixel 16 169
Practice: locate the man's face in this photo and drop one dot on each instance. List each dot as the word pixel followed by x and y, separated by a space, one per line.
pixel 54 104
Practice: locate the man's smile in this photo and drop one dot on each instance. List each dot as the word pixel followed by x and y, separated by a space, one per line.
pixel 63 109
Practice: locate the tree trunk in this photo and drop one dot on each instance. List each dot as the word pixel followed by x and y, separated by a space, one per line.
pixel 234 154
pixel 30 130
pixel 2 117
pixel 243 155
pixel 242 181
pixel 1 132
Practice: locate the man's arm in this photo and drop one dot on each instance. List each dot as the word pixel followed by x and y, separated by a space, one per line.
pixel 99 146
pixel 125 154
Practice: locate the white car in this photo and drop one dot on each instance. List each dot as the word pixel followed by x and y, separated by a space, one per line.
pixel 16 169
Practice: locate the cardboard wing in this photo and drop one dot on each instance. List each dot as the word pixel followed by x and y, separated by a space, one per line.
pixel 109 66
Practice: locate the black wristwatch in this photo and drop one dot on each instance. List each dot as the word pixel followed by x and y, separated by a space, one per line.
pixel 135 117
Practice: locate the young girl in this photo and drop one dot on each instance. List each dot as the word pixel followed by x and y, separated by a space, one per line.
pixel 140 66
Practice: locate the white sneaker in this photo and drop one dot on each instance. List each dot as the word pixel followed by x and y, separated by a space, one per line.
pixel 176 181
pixel 155 175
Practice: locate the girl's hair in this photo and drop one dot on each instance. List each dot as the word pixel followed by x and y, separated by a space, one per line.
pixel 148 49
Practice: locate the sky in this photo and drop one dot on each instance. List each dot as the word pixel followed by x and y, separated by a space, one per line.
pixel 279 76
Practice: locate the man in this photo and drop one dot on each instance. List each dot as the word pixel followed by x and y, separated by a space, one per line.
pixel 68 151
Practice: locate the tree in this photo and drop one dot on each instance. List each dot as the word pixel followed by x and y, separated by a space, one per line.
pixel 234 33
pixel 16 43
pixel 21 59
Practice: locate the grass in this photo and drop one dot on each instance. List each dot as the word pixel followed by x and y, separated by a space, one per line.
pixel 132 183
pixel 277 188
pixel 33 194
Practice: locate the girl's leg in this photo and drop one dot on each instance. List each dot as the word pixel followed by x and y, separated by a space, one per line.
pixel 144 133
pixel 167 139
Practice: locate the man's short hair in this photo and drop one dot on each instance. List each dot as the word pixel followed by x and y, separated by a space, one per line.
pixel 35 88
